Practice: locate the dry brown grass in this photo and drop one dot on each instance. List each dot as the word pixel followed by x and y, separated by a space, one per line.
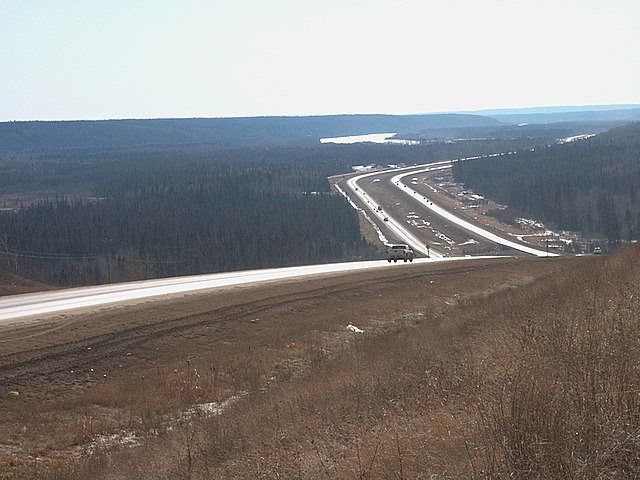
pixel 565 400
pixel 522 378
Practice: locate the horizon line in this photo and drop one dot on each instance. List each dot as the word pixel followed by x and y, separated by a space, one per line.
pixel 546 109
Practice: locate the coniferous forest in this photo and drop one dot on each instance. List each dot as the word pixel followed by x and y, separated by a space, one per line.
pixel 589 186
pixel 133 215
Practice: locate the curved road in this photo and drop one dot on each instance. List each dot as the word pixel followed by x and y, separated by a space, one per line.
pixel 397 226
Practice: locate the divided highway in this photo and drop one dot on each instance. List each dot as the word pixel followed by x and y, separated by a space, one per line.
pixel 392 223
pixel 397 225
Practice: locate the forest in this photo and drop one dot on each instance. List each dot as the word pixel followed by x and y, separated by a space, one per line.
pixel 123 215
pixel 37 136
pixel 589 186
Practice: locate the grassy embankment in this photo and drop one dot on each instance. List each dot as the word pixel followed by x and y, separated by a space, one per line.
pixel 540 380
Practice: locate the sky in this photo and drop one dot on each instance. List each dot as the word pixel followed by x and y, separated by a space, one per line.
pixel 108 59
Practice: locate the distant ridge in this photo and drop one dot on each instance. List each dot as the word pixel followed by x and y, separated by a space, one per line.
pixel 33 136
pixel 552 109
pixel 546 115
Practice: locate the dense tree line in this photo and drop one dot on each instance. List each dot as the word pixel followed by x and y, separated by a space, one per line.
pixel 154 215
pixel 110 171
pixel 256 131
pixel 589 185
pixel 179 229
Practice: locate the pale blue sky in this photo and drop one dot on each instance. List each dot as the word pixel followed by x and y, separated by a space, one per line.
pixel 97 59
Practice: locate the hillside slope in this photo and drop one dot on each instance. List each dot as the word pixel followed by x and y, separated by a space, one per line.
pixel 16 137
pixel 541 116
pixel 501 368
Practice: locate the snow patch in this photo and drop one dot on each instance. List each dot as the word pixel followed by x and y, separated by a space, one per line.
pixel 525 222
pixel 576 138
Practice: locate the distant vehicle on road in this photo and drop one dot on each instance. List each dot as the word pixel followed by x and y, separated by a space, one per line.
pixel 399 252
pixel 597 251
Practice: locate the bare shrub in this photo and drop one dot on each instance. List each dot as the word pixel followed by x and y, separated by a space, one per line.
pixel 567 405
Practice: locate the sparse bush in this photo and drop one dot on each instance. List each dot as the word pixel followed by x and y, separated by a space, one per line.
pixel 566 403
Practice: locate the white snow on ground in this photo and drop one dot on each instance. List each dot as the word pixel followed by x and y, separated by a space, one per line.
pixel 471 241
pixel 122 439
pixel 353 328
pixel 210 408
pixel 130 439
pixel 444 238
pixel 576 138
pixel 529 223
